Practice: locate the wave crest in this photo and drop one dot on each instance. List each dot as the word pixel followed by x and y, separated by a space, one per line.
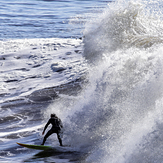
pixel 122 27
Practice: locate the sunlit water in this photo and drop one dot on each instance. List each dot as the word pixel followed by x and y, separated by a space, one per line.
pixel 46 19
pixel 97 65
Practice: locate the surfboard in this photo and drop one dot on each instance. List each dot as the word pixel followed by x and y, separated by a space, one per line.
pixel 37 147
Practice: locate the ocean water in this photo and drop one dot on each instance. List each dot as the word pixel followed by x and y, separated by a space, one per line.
pixel 97 65
pixel 46 18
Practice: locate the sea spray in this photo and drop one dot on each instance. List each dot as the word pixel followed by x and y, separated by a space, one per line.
pixel 119 108
pixel 122 27
pixel 117 118
pixel 129 42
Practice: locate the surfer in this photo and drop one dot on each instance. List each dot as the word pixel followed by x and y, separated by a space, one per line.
pixel 56 128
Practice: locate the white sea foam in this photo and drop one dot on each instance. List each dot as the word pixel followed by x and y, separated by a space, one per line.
pixel 121 26
pixel 118 115
pixel 33 64
pixel 28 67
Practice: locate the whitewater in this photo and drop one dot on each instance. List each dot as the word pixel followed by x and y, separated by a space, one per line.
pixel 105 83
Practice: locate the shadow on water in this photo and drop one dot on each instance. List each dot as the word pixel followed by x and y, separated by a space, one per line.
pixel 52 155
pixel 22 122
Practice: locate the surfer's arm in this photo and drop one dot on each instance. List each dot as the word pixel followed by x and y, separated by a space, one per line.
pixel 45 127
pixel 60 124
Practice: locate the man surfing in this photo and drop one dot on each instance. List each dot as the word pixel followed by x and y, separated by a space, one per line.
pixel 56 128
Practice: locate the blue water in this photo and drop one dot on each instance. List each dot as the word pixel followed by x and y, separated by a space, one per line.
pixel 29 63
pixel 46 19
pixel 97 65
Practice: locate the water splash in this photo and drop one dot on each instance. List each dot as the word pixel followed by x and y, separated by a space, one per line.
pixel 121 107
pixel 117 117
pixel 122 26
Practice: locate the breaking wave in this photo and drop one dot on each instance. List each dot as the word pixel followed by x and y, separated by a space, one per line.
pixel 118 116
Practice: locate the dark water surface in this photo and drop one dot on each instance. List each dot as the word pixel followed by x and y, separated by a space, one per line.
pixel 34 72
pixel 106 86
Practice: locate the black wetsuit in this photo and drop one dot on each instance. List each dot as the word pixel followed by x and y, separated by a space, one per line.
pixel 56 128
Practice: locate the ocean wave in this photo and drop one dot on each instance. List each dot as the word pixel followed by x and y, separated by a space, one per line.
pixel 123 26
pixel 117 116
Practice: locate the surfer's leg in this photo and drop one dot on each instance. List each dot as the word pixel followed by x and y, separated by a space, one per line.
pixel 59 138
pixel 47 135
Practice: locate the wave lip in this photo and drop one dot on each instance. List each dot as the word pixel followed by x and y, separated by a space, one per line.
pixel 122 27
